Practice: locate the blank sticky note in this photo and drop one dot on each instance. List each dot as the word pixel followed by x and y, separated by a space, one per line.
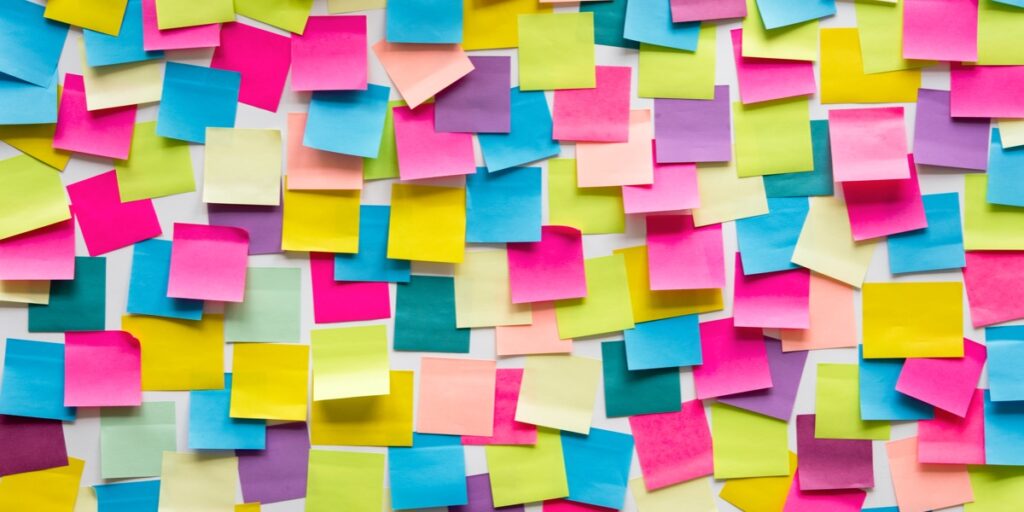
pixel 456 396
pixel 242 166
pixel 556 51
pixel 546 398
pixel 913 319
pixel 428 223
pixel 208 262
pixel 270 381
pixel 179 355
pixel 350 362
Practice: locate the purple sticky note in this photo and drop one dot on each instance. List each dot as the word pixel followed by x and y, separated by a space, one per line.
pixel 262 222
pixel 30 444
pixel 277 473
pixel 478 491
pixel 776 401
pixel 478 102
pixel 943 140
pixel 693 130
pixel 832 464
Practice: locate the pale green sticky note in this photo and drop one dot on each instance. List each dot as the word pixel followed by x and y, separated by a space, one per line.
pixel 605 309
pixel 773 137
pixel 528 473
pixel 592 210
pixel 671 73
pixel 987 226
pixel 31 196
pixel 747 444
pixel 795 42
pixel 350 481
pixel 189 13
pixel 290 15
pixel 385 166
pixel 350 362
pixel 837 406
pixel 156 167
pixel 134 439
pixel 999 29
pixel 881 37
pixel 271 310
pixel 556 51
pixel 996 488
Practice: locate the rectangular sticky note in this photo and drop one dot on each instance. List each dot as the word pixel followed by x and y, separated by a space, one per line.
pixel 913 319
pixel 179 355
pixel 156 166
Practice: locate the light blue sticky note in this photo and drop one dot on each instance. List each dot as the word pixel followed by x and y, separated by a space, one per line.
pixel 767 241
pixel 430 473
pixel 1004 432
pixel 33 380
pixel 664 343
pixel 939 246
pixel 818 182
pixel 348 122
pixel 195 98
pixel 105 50
pixel 1005 359
pixel 211 427
pixel 128 496
pixel 879 399
pixel 1015 3
pixel 1005 173
pixel 30 45
pixel 371 263
pixel 781 13
pixel 147 288
pixel 529 139
pixel 609 22
pixel 26 103
pixel 650 21
pixel 882 509
pixel 424 21
pixel 597 466
pixel 503 206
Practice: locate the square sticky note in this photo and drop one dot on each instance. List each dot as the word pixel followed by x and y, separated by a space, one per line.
pixel 723 347
pixel 76 305
pixel 456 397
pixel 271 310
pixel 556 51
pixel 277 472
pixel 747 444
pixel 597 466
pixel 521 474
pixel 950 439
pixel 28 104
pixel 843 79
pixel 262 223
pixel 428 223
pixel 310 168
pixel 33 380
pixel 546 398
pixel 31 196
pixel 330 55
pixel 345 301
pixel 829 464
pixel 440 456
pixel 270 381
pixel 433 22
pixel 424 152
pixel 600 114
pixel 682 74
pixel 106 222
pixel 156 166
pixel 878 132
pixel 194 98
pixel 672 447
pixel 671 342
pixel 344 479
pixel 694 130
pixel 591 210
pixel 773 137
pixel 648 22
pixel 630 392
pixel 958 375
pixel 610 164
pixel 197 36
pixel 42 254
pixel 210 426
pixel 421 71
pixel 191 481
pixel 102 369
pixel 770 79
pixel 320 220
pixel 425 317
pixel 683 257
pixel 504 206
pixel 242 166
pixel 837 405
pixel 940 139
pixel 674 188
pixel 529 137
pixel 605 308
pixel 104 49
pixel 478 102
pixel 31 444
pixel 133 439
pixel 334 116
pixel 482 292
pixel 371 262
pixel 106 133
pixel 939 246
pixel 350 362
pixel 31 43
pixel 208 262
pixel 177 354
pixel 384 420
pixel 147 289
pixel 261 58
pixel 925 486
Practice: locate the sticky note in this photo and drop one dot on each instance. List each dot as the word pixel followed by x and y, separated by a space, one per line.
pixel 26 103
pixel 504 206
pixel 32 197
pixel 155 167
pixel 330 55
pixel 672 73
pixel 343 479
pixel 725 196
pixel 279 471
pixel 844 500
pixel 32 44
pixel 672 447
pixel 36 140
pixel 747 444
pixel 837 406
pixel 773 138
pixel 777 401
pixel 781 13
pixel 424 152
pixel 242 166
pixel 647 22
pixel 179 355
pixel 826 243
pixel 288 16
pixel 958 39
pixel 506 430
pixel 993 486
pixel 482 297
pixel 880 30
pixel 959 378
pixel 320 220
pixel 425 316
pixel 417 22
pixel 609 23
pixel 334 114
pixel 439 456
pixel 940 139
pixel 129 495
pixel 349 362
pixel 103 48
pixel 539 337
pixel 198 36
pixel 605 164
pixel 605 308
pixel 132 440
pixel 630 392
pixel 984 91
pixel 923 486
pixel 600 114
pixel 1002 432
pixel 75 305
pixel 487 25
pixel 479 495
pixel 420 72
pixel 650 304
pixel 828 464
pixel 699 10
pixel 760 494
pixel 530 135
pixel 592 211
pixel 312 169
pixel 343 6
pixel 683 257
pixel 210 426
pixel 263 223
pixel 270 381
pixel 193 481
pixel 879 398
pixel 556 51
pixel 428 223
pixel 383 420
pixel 695 493
pixel 271 309
pixel 667 343
pixel 766 242
pixel 951 439
pixel 25 292
pixel 674 188
pixel 31 444
pixel 190 13
pixel 997 21
pixel 33 380
pixel 477 102
pixel 913 319
pixel 118 85
pixel 597 466
pixel 723 346
pixel 848 130
pixel 885 207
pixel 385 165
pixel 694 130
pixel 817 182
pixel 456 396
pixel 106 222
pixel 147 289
pixel 105 133
pixel 49 490
pixel 843 79
pixel 766 80
pixel 1004 344
pixel 794 42
pixel 42 254
pixel 208 262
pixel 1002 189
pixel 102 369
pixel 771 300
pixel 371 262
pixel 988 226
pixel 550 269
pixel 195 98
pixel 546 400
pixel 528 473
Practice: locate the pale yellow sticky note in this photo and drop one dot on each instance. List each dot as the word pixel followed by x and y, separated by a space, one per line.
pixel 320 220
pixel 912 319
pixel 350 362
pixel 558 391
pixel 344 6
pixel 795 42
pixel 482 296
pixel 762 494
pixel 198 482
pixel 773 137
pixel 651 305
pixel 591 210
pixel 1011 132
pixel 384 420
pixel 843 79
pixel 25 292
pixel 35 140
pixel 671 73
pixel 696 494
pixel 86 501
pixel 826 243
pixel 487 24
pixel 725 196
pixel 179 355
pixel 99 15
pixel 269 381
pixel 881 37
pixel 242 166
pixel 427 223
pixel 48 490
pixel 606 307
pixel 118 85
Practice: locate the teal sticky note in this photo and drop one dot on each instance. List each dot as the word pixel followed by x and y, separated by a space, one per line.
pixel 348 122
pixel 879 399
pixel 128 496
pixel 430 473
pixel 817 182
pixel 425 317
pixel 75 305
pixel 609 23
pixel 33 380
pixel 272 308
pixel 133 439
pixel 147 287
pixel 627 393
pixel 597 466
pixel 766 242
pixel 105 50
pixel 939 246
pixel 424 21
pixel 211 427
pixel 371 263
pixel 529 139
pixel 667 343
pixel 503 206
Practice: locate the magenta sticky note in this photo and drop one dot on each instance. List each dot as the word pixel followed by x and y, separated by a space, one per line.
pixel 699 10
pixel 424 152
pixel 946 30
pixel 330 55
pixel 799 500
pixel 868 144
pixel 947 383
pixel 40 255
pixel 674 188
pixel 107 223
pixel 208 263
pixel 777 401
pixel 600 114
pixel 102 369
pixel 774 300
pixel 951 439
pixel 673 447
pixel 106 133
pixel 345 301
pixel 200 36
pixel 734 360
pixel 827 464
pixel 551 269
pixel 506 429
pixel 261 57
pixel 986 91
pixel 994 293
pixel 683 257
pixel 770 79
pixel 885 207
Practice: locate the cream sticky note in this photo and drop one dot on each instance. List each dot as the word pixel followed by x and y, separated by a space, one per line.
pixel 198 482
pixel 559 391
pixel 826 243
pixel 725 196
pixel 456 396
pixel 482 296
pixel 242 166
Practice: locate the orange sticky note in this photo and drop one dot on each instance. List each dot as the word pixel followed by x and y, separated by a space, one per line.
pixel 922 487
pixel 612 164
pixel 456 396
pixel 833 322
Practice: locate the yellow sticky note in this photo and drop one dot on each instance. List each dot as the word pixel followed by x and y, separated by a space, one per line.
pixel 592 210
pixel 487 24
pixel 881 37
pixel 189 13
pixel 763 494
pixel 242 166
pixel 345 481
pixel 36 140
pixel 999 28
pixel 556 51
pixel 482 296
pixel 25 292
pixel 773 137
pixel 725 196
pixel 651 305
pixel 350 362
pixel 987 226
pixel 1011 132
pixel 118 85
pixel 913 319
pixel 247 507
pixel 427 223
pixel 86 501
pixel 843 79
pixel 198 482
pixel 320 220
pixel 606 307
pixel 996 488
pixel 558 391
pixel 344 6
pixel 795 42
pixel 696 494
pixel 99 15
pixel 384 420
pixel 826 243
pixel 747 444
pixel 156 167
pixel 672 73
pixel 837 406
pixel 48 490
pixel 179 355
pixel 528 473
pixel 269 381
pixel 31 196
pixel 290 15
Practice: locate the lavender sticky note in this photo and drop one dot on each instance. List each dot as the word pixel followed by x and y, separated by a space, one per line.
pixel 262 222
pixel 277 473
pixel 776 401
pixel 693 130
pixel 478 489
pixel 828 464
pixel 946 141
pixel 478 102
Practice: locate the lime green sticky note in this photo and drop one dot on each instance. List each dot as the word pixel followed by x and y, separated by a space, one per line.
pixel 605 309
pixel 592 210
pixel 385 166
pixel 987 226
pixel 31 196
pixel 556 51
pixel 671 73
pixel 999 28
pixel 189 13
pixel 156 166
pixel 837 406
pixel 996 488
pixel 773 137
pixel 350 481
pixel 528 473
pixel 795 42
pixel 350 362
pixel 747 444
pixel 272 308
pixel 881 37
pixel 290 15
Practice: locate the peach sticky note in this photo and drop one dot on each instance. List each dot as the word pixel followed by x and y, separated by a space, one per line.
pixel 611 164
pixel 683 257
pixel 426 153
pixel 922 487
pixel 456 397
pixel 735 360
pixel 551 269
pixel 540 337
pixel 833 323
pixel 107 223
pixel 868 144
pixel 779 300
pixel 330 55
pixel 41 254
pixel 106 133
pixel 506 429
pixel 421 70
pixel 102 369
pixel 312 169
pixel 674 188
pixel 208 262
pixel 947 383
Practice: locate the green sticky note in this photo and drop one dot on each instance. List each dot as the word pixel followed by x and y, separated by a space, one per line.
pixel 605 309
pixel 528 473
pixel 75 305
pixel 796 42
pixel 592 210
pixel 881 37
pixel 347 481
pixel 996 488
pixel 189 13
pixel 556 51
pixel 134 439
pixel 999 28
pixel 671 73
pixel 290 15
pixel 773 137
pixel 425 316
pixel 987 226
pixel 385 166
pixel 747 444
pixel 627 393
pixel 350 362
pixel 156 166
pixel 837 405
pixel 31 196
pixel 271 310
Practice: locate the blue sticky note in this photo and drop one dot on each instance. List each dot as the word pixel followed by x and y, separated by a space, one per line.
pixel 211 427
pixel 1004 432
pixel 597 466
pixel 430 473
pixel 631 392
pixel 650 21
pixel 128 496
pixel 882 509
pixel 529 139
pixel 609 23
pixel 371 263
pixel 503 206
pixel 668 343
pixel 1005 359
pixel 1005 173
pixel 33 381
pixel 147 289
pixel 781 13
pixel 425 316
pixel 767 241
pixel 818 182
pixel 424 21
pixel 879 399
pixel 79 304
pixel 939 246
pixel 26 103
pixel 105 50
pixel 30 45
pixel 348 122
pixel 196 98
pixel 1015 3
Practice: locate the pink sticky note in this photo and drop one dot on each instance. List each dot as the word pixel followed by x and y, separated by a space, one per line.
pixel 345 301
pixel 833 321
pixel 775 300
pixel 551 269
pixel 456 396
pixel 923 487
pixel 945 30
pixel 673 447
pixel 40 255
pixel 612 164
pixel 699 10
pixel 950 439
pixel 770 79
pixel 674 188
pixel 102 369
pixel 735 360
pixel 564 505
pixel 208 263
pixel 683 257
pixel 330 55
pixel 506 429
pixel 846 500
pixel 107 223
pixel 262 58
pixel 541 337
pixel 986 91
pixel 868 144
pixel 946 383
pixel 200 36
pixel 425 153
pixel 312 169
pixel 992 281
pixel 420 71
pixel 885 207
pixel 600 114
pixel 105 133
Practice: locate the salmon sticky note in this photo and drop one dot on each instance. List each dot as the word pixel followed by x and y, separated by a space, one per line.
pixel 922 487
pixel 735 360
pixel 102 369
pixel 610 164
pixel 420 70
pixel 208 262
pixel 683 257
pixel 456 396
pixel 507 431
pixel 868 144
pixel 551 269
